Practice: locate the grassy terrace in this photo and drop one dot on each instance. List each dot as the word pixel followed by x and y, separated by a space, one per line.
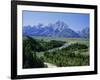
pixel 67 40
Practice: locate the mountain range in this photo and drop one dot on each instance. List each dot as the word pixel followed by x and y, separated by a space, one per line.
pixel 57 29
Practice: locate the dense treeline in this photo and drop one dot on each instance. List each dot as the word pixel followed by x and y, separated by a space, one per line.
pixel 31 46
pixel 70 56
pixel 30 60
pixel 51 44
pixel 41 45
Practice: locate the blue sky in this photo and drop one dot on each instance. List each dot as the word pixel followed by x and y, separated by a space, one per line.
pixel 76 21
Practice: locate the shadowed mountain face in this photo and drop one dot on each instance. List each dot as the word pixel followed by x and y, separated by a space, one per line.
pixel 84 33
pixel 58 29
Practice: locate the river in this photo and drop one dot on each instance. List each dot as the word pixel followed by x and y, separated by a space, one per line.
pixel 51 50
pixel 63 46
